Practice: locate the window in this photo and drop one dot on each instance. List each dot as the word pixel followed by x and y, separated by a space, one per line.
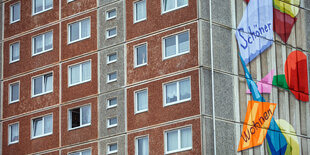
pixel 42 84
pixel 112 102
pixel 111 33
pixel 141 101
pixel 14 52
pixel 142 145
pixel 170 5
pixel 112 77
pixel 79 73
pixel 84 152
pixel 39 6
pixel 178 140
pixel 112 58
pixel 42 126
pixel 112 148
pixel 112 122
pixel 176 92
pixel 15 12
pixel 13 133
pixel 42 43
pixel 176 45
pixel 79 117
pixel 140 55
pixel 14 92
pixel 139 11
pixel 111 14
pixel 79 30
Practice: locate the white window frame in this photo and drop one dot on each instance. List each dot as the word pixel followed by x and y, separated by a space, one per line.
pixel 112 36
pixel 108 79
pixel 80 64
pixel 11 12
pixel 33 7
pixel 9 133
pixel 134 11
pixel 177 45
pixel 10 92
pixel 176 8
pixel 43 86
pixel 68 1
pixel 179 140
pixel 108 148
pixel 80 151
pixel 81 117
pixel 108 61
pixel 111 125
pixel 107 14
pixel 135 55
pixel 80 29
pixel 178 93
pixel 43 43
pixel 108 102
pixel 11 52
pixel 43 123
pixel 136 143
pixel 136 100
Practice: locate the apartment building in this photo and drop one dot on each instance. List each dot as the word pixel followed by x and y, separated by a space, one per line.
pixel 87 77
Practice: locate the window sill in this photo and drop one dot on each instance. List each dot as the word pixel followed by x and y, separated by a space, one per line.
pixel 110 62
pixel 11 102
pixel 181 150
pixel 35 54
pixel 110 107
pixel 141 65
pixel 78 40
pixel 11 143
pixel 180 7
pixel 71 85
pixel 112 126
pixel 13 61
pixel 138 21
pixel 12 22
pixel 107 19
pixel 112 152
pixel 141 111
pixel 110 81
pixel 110 37
pixel 42 136
pixel 33 96
pixel 36 13
pixel 179 54
pixel 82 126
pixel 176 102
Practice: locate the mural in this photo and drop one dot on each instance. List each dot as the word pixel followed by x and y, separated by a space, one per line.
pixel 253 37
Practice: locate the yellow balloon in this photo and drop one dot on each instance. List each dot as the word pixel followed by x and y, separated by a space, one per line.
pixel 287 6
pixel 290 136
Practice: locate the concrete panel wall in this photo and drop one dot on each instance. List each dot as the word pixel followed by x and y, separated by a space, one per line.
pixel 120 140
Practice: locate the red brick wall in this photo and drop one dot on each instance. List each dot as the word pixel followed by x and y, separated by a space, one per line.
pixel 92 146
pixel 76 6
pixel 156 66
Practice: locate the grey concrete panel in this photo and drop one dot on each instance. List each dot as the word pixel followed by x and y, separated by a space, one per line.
pixel 117 66
pixel 221 12
pixel 104 25
pixel 118 111
pixel 225 137
pixel 204 9
pixel 222 41
pixel 121 145
pixel 204 43
pixel 307 28
pixel 223 95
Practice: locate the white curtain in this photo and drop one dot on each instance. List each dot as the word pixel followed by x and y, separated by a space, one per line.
pixel 185 89
pixel 74 31
pixel 37 127
pixel 14 133
pixel 38 85
pixel 172 140
pixel 75 74
pixel 171 92
pixel 169 4
pixel 181 2
pixel 143 146
pixel 140 10
pixel 38 44
pixel 170 46
pixel 86 71
pixel 48 124
pixel 15 51
pixel 48 4
pixel 48 82
pixel 142 100
pixel 186 137
pixel 141 54
pixel 86 115
pixel 85 28
pixel 183 42
pixel 48 41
